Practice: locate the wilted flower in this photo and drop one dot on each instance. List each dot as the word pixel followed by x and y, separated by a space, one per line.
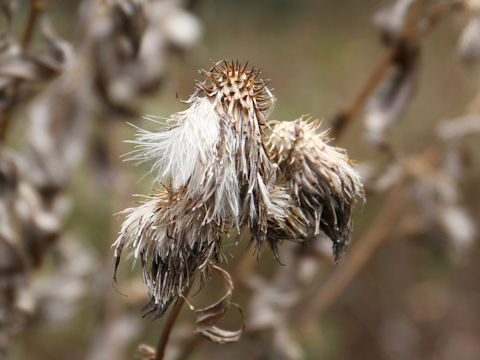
pixel 320 178
pixel 221 177
pixel 170 243
pixel 217 167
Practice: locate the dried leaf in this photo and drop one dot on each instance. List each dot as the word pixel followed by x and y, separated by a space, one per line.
pixel 458 128
pixel 469 43
pixel 459 227
pixel 146 351
pixel 393 96
pixel 208 317
pixel 392 18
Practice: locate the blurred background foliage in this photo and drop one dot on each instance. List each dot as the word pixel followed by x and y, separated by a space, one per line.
pixel 410 301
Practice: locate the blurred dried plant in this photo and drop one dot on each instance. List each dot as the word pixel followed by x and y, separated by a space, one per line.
pixel 72 84
pixel 227 175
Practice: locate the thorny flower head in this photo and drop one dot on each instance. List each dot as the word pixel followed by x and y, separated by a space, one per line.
pixel 221 177
pixel 320 177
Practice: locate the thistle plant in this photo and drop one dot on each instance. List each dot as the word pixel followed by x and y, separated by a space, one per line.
pixel 225 169
pixel 320 178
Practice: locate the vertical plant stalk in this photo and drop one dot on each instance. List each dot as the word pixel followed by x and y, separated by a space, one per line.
pixel 355 260
pixel 4 120
pixel 411 32
pixel 242 269
pixel 34 9
pixel 172 318
pixel 343 118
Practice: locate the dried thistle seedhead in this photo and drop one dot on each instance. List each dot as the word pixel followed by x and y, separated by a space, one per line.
pixel 286 220
pixel 218 170
pixel 241 102
pixel 221 178
pixel 237 89
pixel 319 176
pixel 215 149
pixel 171 246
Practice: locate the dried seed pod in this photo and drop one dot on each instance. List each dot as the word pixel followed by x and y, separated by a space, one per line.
pixel 218 169
pixel 171 246
pixel 320 178
pixel 215 149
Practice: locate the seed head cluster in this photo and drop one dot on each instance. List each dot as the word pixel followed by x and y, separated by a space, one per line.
pixel 221 176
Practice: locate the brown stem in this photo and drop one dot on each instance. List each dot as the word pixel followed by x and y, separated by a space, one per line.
pixel 410 33
pixel 343 118
pixel 172 317
pixel 242 269
pixel 355 260
pixel 33 11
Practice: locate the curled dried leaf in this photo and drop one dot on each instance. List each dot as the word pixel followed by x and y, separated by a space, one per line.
pixel 390 101
pixel 147 352
pixel 208 317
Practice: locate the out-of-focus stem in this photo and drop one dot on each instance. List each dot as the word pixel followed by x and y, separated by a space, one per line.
pixel 34 10
pixel 343 118
pixel 355 260
pixel 172 317
pixel 4 120
pixel 415 27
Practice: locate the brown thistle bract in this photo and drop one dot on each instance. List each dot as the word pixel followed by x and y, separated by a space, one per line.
pixel 221 178
pixel 320 178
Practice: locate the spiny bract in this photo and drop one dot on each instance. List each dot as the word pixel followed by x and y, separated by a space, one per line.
pixel 221 177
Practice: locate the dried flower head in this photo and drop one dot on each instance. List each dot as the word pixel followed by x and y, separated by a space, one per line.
pixel 214 151
pixel 170 244
pixel 319 176
pixel 217 167
pixel 221 177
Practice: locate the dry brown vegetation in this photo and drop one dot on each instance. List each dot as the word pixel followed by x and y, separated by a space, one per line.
pixel 407 111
